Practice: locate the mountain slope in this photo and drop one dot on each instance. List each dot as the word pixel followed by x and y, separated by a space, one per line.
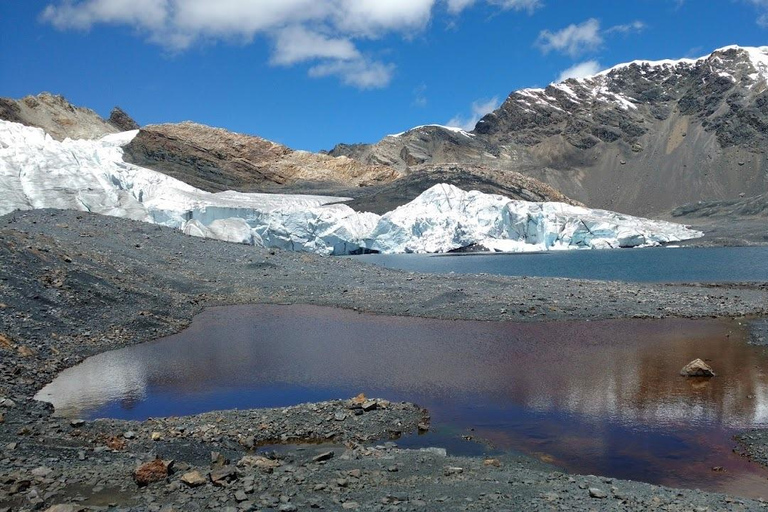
pixel 60 119
pixel 642 137
pixel 214 159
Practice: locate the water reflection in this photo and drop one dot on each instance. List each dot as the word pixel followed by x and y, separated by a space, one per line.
pixel 600 397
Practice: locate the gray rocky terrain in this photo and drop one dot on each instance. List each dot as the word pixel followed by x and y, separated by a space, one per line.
pixel 61 120
pixel 641 138
pixel 74 284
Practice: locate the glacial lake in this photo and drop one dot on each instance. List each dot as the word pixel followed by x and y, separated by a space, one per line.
pixel 653 264
pixel 600 397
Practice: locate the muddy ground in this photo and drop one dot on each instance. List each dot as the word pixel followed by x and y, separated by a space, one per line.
pixel 74 284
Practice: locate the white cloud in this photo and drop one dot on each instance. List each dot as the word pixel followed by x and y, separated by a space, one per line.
pixel 762 9
pixel 479 109
pixel 586 37
pixel 360 73
pixel 580 70
pixel 629 28
pixel 323 31
pixel 297 44
pixel 456 6
pixel 573 39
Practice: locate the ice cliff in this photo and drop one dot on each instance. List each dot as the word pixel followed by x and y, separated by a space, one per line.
pixel 37 171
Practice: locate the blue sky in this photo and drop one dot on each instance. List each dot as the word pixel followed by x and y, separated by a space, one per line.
pixel 312 73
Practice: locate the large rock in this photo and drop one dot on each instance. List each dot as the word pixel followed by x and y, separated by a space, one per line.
pixel 151 472
pixel 697 368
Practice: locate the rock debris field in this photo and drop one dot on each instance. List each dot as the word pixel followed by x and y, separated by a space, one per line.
pixel 74 284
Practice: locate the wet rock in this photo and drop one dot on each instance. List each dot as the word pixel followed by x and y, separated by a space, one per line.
pixel 193 479
pixel 697 368
pixel 151 472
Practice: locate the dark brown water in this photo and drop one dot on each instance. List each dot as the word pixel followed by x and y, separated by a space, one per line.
pixel 592 397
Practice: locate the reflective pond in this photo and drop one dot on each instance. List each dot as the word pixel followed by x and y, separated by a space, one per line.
pixel 591 397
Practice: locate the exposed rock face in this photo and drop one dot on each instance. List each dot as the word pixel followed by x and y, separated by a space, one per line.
pixel 59 118
pixel 697 368
pixel 641 138
pixel 745 207
pixel 214 159
pixel 122 121
pixel 384 198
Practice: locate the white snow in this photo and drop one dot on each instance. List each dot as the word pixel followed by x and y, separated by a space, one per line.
pixel 445 217
pixel 453 129
pixel 39 172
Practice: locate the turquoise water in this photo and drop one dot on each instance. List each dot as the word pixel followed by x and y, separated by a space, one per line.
pixel 715 264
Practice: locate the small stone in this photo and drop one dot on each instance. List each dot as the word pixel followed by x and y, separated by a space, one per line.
pixel 41 472
pixel 249 442
pixel 452 470
pixel 423 426
pixel 240 496
pixel 129 435
pixel 223 476
pixel 370 405
pixel 594 492
pixel 62 508
pixel 350 505
pixel 697 368
pixel 77 423
pixel 339 416
pixel 492 462
pixel 287 507
pixel 7 403
pixel 25 351
pixel 323 456
pixel 156 436
pixel 193 479
pixel 359 399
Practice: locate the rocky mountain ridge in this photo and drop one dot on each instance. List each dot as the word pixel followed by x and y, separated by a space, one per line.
pixel 62 120
pixel 642 137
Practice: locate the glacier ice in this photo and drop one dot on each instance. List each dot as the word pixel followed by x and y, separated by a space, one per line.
pixel 39 172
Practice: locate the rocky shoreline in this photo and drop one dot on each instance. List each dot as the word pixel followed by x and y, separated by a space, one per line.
pixel 74 284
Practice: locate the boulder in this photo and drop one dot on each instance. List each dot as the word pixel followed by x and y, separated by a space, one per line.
pixel 697 368
pixel 151 472
pixel 193 479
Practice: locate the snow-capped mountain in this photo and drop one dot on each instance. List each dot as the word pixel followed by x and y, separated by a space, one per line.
pixel 37 171
pixel 642 137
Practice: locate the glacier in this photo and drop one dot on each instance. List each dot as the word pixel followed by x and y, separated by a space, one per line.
pixel 37 171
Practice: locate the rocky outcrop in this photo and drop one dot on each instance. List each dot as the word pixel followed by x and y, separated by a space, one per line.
pixel 59 118
pixel 641 138
pixel 383 198
pixel 122 121
pixel 214 159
